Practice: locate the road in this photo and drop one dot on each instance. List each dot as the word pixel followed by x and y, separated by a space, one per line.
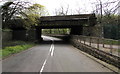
pixel 53 55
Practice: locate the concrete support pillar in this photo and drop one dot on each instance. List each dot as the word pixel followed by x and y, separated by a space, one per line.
pixel 38 34
pixel 76 30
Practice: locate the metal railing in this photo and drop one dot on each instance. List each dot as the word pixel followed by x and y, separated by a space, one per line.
pixel 107 45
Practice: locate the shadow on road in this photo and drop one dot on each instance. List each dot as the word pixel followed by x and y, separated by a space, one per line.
pixel 64 39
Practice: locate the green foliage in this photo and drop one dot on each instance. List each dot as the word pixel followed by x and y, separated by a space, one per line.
pixel 111 42
pixel 56 31
pixel 36 9
pixel 6 29
pixel 111 31
pixel 32 15
pixel 7 51
pixel 24 11
pixel 110 20
pixel 32 20
pixel 110 25
pixel 119 50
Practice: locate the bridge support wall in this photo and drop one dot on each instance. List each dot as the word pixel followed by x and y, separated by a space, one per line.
pixel 76 30
pixel 38 34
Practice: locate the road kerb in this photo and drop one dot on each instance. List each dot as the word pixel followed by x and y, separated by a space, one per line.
pixel 111 67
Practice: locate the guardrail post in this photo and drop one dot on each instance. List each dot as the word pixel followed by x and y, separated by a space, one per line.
pixel 77 39
pixel 84 40
pixel 98 43
pixel 80 39
pixel 103 42
pixel 111 47
pixel 90 41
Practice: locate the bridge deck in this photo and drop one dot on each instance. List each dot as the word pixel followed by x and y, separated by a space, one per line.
pixel 67 20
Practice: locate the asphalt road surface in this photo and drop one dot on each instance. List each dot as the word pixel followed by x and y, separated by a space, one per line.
pixel 52 55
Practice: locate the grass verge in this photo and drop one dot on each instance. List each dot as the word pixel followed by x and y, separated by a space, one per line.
pixel 113 42
pixel 7 51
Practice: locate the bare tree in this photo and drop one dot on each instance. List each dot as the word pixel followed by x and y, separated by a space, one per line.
pixel 104 8
pixel 106 11
pixel 78 10
pixel 12 9
pixel 62 10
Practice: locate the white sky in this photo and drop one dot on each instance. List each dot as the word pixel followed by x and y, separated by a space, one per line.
pixel 74 5
pixel 86 6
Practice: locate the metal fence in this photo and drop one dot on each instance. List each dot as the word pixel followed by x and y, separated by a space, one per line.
pixel 107 45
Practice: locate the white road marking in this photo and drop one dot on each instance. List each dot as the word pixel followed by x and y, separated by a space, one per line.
pixel 51 48
pixel 51 52
pixel 43 66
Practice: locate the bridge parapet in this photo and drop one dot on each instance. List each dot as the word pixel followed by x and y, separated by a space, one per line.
pixel 68 21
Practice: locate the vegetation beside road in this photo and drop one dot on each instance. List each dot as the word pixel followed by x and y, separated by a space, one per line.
pixel 15 47
pixel 112 42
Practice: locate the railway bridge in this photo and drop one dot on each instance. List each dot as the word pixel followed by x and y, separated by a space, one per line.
pixel 75 22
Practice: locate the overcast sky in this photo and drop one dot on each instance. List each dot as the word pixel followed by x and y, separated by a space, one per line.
pixel 51 5
pixel 86 6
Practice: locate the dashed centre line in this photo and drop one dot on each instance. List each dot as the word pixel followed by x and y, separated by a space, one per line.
pixel 50 53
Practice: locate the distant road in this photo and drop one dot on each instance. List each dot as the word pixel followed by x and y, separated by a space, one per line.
pixel 53 55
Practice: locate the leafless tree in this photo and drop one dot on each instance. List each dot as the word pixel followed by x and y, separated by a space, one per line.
pixel 78 10
pixel 62 10
pixel 107 8
pixel 12 9
pixel 104 8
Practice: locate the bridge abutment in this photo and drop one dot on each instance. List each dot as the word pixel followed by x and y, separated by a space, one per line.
pixel 76 30
pixel 38 34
